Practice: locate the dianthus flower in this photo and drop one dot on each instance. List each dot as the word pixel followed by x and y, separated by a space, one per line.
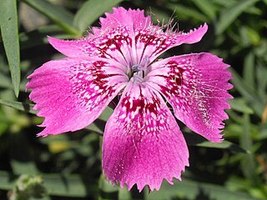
pixel 142 142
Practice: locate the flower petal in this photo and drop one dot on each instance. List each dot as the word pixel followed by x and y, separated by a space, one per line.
pixel 72 93
pixel 82 48
pixel 128 37
pixel 153 41
pixel 133 19
pixel 113 40
pixel 196 87
pixel 113 44
pixel 142 142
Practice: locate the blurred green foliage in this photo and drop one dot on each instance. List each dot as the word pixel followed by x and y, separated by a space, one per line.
pixel 68 166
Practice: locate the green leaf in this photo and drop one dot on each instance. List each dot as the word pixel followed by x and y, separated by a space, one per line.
pixel 95 128
pixel 254 36
pixel 248 164
pixel 18 105
pixel 196 140
pixel 10 37
pixel 249 69
pixel 99 124
pixel 225 3
pixel 261 74
pixel 223 145
pixel 247 92
pixel 206 7
pixel 229 14
pixel 90 11
pixel 59 15
pixel 240 105
pixel 7 180
pixel 108 191
pixel 192 190
pixel 125 194
pixel 23 167
pixel 69 185
pixel 106 113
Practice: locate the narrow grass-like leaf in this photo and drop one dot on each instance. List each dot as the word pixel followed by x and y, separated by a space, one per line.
pixel 240 105
pixel 23 167
pixel 261 74
pixel 99 124
pixel 59 15
pixel 106 114
pixel 225 3
pixel 223 145
pixel 18 105
pixel 206 7
pixel 90 11
pixel 71 186
pixel 125 194
pixel 249 70
pixel 248 163
pixel 7 180
pixel 10 37
pixel 108 191
pixel 248 92
pixel 94 128
pixel 229 14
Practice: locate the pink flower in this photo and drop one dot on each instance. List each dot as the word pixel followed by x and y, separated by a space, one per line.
pixel 142 141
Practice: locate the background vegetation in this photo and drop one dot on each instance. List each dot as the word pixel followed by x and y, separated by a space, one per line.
pixel 68 166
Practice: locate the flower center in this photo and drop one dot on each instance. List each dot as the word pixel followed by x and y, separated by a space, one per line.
pixel 140 70
pixel 137 72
